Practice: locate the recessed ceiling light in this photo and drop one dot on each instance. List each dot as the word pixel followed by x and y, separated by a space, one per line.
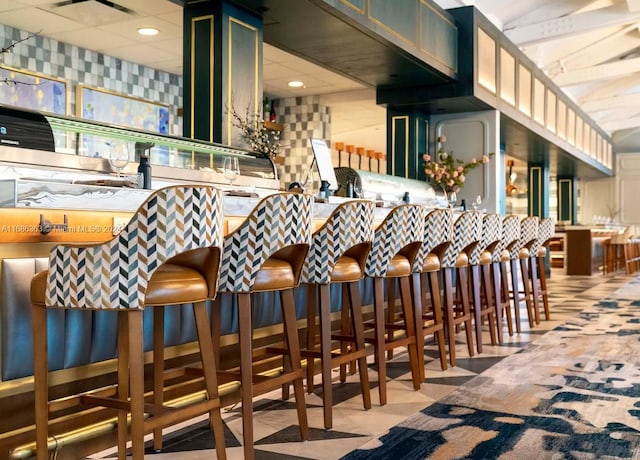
pixel 148 31
pixel 295 84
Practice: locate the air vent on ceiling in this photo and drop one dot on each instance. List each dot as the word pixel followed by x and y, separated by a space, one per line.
pixel 91 12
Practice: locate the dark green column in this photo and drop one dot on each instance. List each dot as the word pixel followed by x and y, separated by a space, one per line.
pixel 538 204
pixel 567 199
pixel 222 66
pixel 407 141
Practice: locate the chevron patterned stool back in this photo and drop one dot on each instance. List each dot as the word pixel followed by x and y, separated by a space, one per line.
pixel 403 227
pixel 546 230
pixel 146 264
pixel 277 221
pixel 509 238
pixel 349 225
pixel 467 232
pixel 114 275
pixel 438 230
pixel 522 251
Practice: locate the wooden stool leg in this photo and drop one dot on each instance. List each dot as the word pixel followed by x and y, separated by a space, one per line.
pixel 477 304
pixel 448 314
pixel 123 382
pixel 524 272
pixel 158 368
pixel 345 330
pixel 325 353
pixel 409 309
pixel 391 312
pixel 136 384
pixel 497 297
pixel 419 296
pixel 542 276
pixel 490 299
pixel 246 372
pixel 436 305
pixel 312 311
pixel 291 333
pixel 216 321
pixel 210 375
pixel 515 293
pixel 40 377
pixel 463 282
pixel 535 292
pixel 355 304
pixel 378 311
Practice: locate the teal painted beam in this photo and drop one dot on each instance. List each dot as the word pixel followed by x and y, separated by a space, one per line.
pixel 222 67
pixel 538 200
pixel 567 199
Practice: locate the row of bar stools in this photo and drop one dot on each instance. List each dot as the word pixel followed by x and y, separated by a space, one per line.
pixel 338 253
pixel 146 265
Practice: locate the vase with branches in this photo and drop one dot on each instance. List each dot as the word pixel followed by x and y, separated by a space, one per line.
pixel 253 131
pixel 445 170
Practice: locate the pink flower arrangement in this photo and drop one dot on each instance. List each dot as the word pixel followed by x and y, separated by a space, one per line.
pixel 447 171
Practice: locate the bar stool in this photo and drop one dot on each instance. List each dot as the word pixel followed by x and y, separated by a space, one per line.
pixel 484 290
pixel 395 246
pixel 438 226
pixel 546 230
pixel 521 253
pixel 500 270
pixel 168 254
pixel 338 253
pixel 265 253
pixel 467 231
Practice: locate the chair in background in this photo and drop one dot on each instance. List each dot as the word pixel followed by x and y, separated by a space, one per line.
pixel 265 253
pixel 337 256
pixel 168 254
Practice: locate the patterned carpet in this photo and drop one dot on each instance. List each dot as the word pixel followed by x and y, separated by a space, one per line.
pixel 574 393
pixel 566 389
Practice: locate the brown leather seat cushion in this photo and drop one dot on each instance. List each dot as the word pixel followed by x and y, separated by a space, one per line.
pixel 431 263
pixel 462 260
pixel 274 274
pixel 169 285
pixel 347 269
pixel 505 256
pixel 398 266
pixel 485 258
pixel 524 253
pixel 542 252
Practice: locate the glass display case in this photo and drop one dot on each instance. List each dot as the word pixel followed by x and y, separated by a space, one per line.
pixel 89 139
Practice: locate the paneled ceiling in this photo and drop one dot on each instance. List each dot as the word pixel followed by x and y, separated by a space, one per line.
pixel 590 48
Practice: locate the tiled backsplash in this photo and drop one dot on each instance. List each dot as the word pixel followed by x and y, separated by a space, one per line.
pixel 77 65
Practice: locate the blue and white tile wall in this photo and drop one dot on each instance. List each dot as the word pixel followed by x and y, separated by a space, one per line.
pixel 77 65
pixel 303 118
